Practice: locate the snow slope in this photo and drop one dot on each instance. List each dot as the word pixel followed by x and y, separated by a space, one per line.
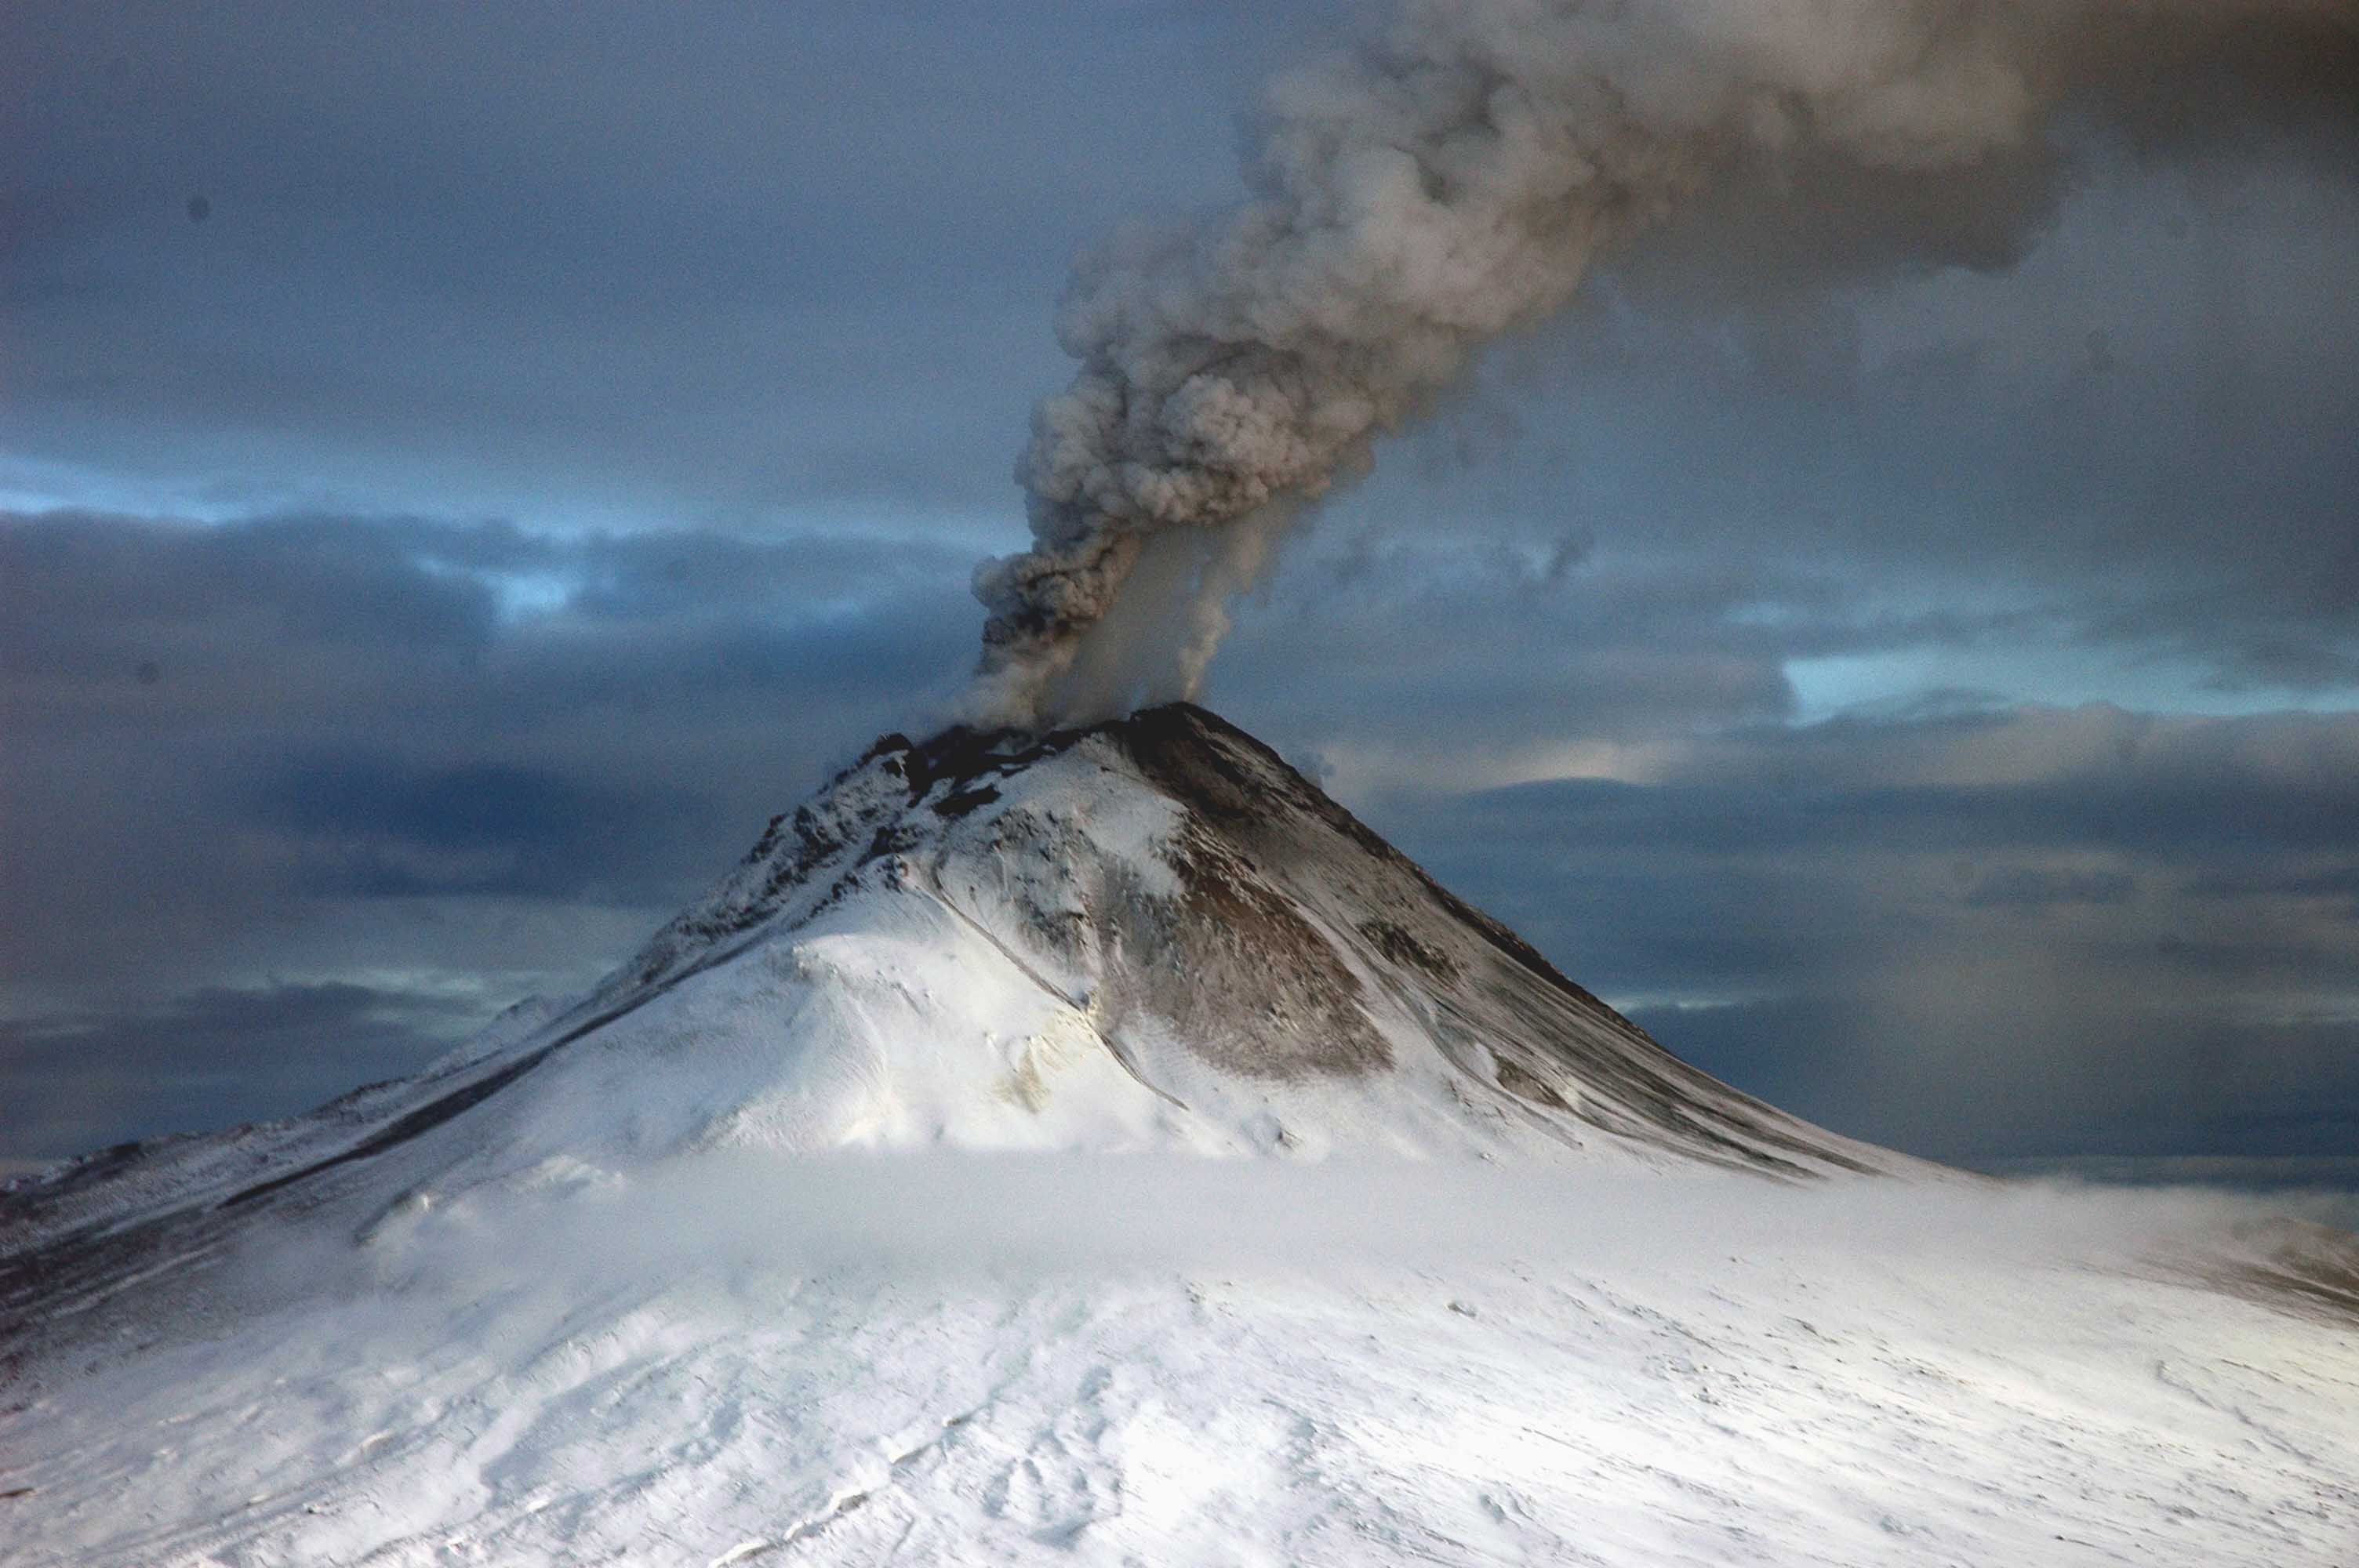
pixel 860 1217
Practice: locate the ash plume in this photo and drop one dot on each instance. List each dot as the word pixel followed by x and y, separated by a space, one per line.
pixel 1451 178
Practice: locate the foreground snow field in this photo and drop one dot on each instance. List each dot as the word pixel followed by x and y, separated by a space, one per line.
pixel 1104 1149
pixel 977 1361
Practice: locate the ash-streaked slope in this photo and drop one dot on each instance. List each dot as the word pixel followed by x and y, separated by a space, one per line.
pixel 729 1261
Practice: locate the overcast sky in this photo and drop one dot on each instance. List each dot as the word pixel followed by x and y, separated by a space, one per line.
pixel 462 469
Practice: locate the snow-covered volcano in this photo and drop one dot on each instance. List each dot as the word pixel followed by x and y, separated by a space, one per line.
pixel 588 1290
pixel 1151 934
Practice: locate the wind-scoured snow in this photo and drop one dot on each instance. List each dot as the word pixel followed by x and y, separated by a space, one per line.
pixel 1102 1149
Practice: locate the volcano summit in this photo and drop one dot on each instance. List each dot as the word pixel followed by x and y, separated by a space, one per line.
pixel 1512 1283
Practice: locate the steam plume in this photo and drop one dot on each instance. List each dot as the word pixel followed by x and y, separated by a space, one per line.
pixel 1447 180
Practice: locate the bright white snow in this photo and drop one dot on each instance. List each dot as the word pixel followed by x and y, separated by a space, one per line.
pixel 1109 1361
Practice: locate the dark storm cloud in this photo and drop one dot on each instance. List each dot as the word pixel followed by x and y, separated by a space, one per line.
pixel 2028 887
pixel 1775 812
pixel 211 724
pixel 2338 886
pixel 499 629
pixel 1465 630
pixel 369 824
pixel 2026 931
pixel 2130 1081
pixel 87 591
pixel 1521 642
pixel 77 1079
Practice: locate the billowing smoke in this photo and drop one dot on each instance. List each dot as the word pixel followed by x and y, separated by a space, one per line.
pixel 1450 179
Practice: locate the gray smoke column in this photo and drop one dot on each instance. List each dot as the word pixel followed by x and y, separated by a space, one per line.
pixel 1450 179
